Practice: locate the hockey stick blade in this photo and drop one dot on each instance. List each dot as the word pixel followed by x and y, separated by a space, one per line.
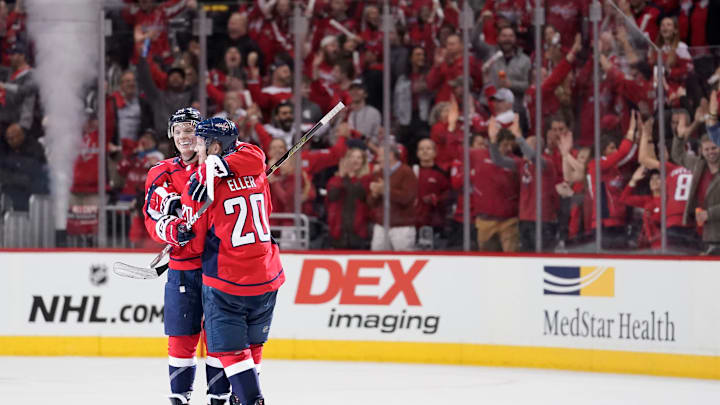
pixel 141 273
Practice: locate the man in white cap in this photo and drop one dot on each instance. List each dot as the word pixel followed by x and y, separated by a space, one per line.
pixel 501 105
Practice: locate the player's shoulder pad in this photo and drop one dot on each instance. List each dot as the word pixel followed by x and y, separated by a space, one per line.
pixel 163 167
pixel 245 149
pixel 247 158
pixel 164 164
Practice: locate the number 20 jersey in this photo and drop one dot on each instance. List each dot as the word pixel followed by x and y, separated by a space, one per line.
pixel 239 256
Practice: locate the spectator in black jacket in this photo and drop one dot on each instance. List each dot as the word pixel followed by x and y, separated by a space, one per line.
pixel 22 167
pixel 18 95
pixel 163 101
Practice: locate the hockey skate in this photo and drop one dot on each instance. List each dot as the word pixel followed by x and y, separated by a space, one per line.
pixel 179 399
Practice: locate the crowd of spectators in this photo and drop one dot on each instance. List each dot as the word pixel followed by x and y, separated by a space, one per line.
pixel 153 63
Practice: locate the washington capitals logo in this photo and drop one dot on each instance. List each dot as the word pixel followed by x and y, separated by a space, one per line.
pixel 223 126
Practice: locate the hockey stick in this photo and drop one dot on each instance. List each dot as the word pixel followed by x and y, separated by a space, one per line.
pixel 130 271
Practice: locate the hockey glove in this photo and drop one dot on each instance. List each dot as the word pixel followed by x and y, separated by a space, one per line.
pixel 197 190
pixel 221 167
pixel 173 230
pixel 165 202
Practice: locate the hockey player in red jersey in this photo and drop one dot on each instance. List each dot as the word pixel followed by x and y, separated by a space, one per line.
pixel 183 305
pixel 241 262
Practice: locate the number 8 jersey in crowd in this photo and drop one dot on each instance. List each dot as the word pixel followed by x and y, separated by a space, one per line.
pixel 239 256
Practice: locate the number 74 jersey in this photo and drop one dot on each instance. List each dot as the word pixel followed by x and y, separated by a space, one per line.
pixel 239 256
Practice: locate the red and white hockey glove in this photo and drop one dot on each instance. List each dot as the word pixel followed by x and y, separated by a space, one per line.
pixel 163 202
pixel 173 230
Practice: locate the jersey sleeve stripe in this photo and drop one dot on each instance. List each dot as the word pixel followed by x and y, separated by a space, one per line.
pixel 186 259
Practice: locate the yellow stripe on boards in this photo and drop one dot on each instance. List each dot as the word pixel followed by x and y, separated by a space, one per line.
pixel 676 365
pixel 83 346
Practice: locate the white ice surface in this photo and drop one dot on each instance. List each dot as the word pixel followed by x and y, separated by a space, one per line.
pixel 115 381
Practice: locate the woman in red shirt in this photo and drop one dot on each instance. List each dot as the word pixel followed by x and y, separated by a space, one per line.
pixel 650 204
pixel 613 213
pixel 677 59
pixel 348 214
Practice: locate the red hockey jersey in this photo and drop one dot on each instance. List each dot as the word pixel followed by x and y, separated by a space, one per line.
pixel 171 174
pixel 239 256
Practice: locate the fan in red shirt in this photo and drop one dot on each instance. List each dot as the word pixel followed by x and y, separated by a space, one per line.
pixel 279 90
pixel 575 207
pixel 229 76
pixel 612 183
pixel 320 67
pixel 151 22
pixel 498 181
pixel 433 188
pixel 527 214
pixel 692 22
pixel 559 75
pixel 448 65
pixel 347 211
pixel 282 186
pixel 513 12
pixel 478 150
pixel 677 59
pixel 336 14
pixel 14 29
pixel 447 127
pixel 446 133
pixel 372 35
pixel 678 183
pixel 270 28
pixel 423 30
pixel 610 101
pixel 567 18
pixel 646 16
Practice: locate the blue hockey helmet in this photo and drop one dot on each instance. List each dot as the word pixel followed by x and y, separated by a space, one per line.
pixel 183 115
pixel 218 130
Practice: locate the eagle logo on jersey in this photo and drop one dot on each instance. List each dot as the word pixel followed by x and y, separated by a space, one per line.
pixel 98 274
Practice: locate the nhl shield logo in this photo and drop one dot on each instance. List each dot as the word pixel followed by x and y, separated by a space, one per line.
pixel 98 274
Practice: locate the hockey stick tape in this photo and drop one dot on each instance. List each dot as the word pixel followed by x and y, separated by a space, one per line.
pixel 210 181
pixel 329 116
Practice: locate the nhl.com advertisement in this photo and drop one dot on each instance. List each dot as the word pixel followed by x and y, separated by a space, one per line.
pixel 642 305
pixel 78 295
